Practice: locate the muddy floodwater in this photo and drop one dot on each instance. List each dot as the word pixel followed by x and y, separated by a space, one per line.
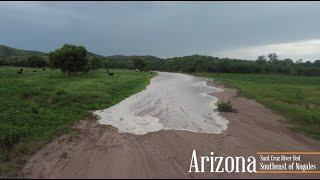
pixel 172 101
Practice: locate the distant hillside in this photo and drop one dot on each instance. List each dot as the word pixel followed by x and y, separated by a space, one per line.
pixel 90 54
pixel 9 53
pixel 122 57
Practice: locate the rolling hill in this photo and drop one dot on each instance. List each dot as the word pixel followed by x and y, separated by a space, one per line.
pixel 123 57
pixel 9 53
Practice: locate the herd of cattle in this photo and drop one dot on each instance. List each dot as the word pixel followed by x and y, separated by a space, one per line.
pixel 110 73
pixel 21 70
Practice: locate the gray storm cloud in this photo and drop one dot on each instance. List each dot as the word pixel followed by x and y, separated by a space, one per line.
pixel 163 29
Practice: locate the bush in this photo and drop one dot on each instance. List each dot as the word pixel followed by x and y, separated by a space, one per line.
pixel 95 63
pixel 225 106
pixel 86 69
pixel 36 61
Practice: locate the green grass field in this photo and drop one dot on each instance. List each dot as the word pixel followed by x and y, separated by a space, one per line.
pixel 38 106
pixel 297 98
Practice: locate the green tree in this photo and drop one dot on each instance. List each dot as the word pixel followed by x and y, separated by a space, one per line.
pixel 95 63
pixel 106 65
pixel 261 60
pixel 3 62
pixel 273 57
pixel 69 59
pixel 288 61
pixel 139 64
pixel 36 61
pixel 19 62
pixel 299 61
pixel 170 65
pixel 308 63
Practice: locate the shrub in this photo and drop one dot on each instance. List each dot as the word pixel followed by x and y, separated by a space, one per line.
pixel 225 106
pixel 36 61
pixel 95 63
pixel 86 69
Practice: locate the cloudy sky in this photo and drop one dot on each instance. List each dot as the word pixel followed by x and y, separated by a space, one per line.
pixel 166 29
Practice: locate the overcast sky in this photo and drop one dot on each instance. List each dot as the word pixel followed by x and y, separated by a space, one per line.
pixel 166 29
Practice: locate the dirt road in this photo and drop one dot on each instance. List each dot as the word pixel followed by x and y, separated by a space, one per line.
pixel 96 150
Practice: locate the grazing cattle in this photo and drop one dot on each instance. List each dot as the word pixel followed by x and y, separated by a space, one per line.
pixel 19 72
pixel 111 74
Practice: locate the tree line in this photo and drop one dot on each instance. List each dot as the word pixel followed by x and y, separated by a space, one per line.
pixel 72 59
pixel 32 61
pixel 208 64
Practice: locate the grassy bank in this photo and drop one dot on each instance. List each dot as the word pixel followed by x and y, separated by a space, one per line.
pixel 38 106
pixel 295 97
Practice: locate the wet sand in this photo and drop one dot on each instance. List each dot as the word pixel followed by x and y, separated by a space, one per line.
pixel 100 151
pixel 172 101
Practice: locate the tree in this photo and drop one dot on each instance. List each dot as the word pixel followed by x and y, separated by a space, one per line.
pixel 20 62
pixel 299 61
pixel 106 65
pixel 288 61
pixel 316 62
pixel 95 63
pixel 273 57
pixel 261 60
pixel 69 59
pixel 170 65
pixel 3 62
pixel 36 61
pixel 139 64
pixel 308 63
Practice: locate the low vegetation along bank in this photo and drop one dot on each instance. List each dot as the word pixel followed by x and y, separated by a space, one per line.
pixel 38 106
pixel 295 97
pixel 264 64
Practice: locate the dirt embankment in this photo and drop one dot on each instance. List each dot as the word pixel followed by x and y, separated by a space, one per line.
pixel 99 151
